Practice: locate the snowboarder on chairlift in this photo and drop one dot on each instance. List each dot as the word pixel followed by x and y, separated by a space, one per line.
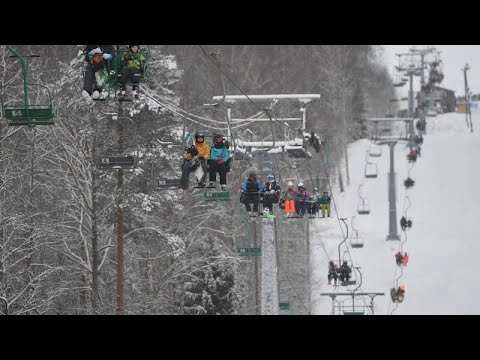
pixel 271 193
pixel 98 58
pixel 196 155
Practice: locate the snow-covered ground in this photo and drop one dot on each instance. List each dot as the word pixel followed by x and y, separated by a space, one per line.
pixel 444 241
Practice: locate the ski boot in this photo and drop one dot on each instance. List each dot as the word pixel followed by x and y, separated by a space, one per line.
pixel 135 91
pixel 122 91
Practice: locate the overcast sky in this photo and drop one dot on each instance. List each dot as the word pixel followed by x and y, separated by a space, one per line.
pixel 454 58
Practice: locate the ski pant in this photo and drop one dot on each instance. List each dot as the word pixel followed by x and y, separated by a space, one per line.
pixel 312 208
pixel 344 277
pixel 289 206
pixel 204 166
pixel 333 276
pixel 269 200
pixel 89 80
pixel 251 198
pixel 301 206
pixel 131 74
pixel 326 207
pixel 221 169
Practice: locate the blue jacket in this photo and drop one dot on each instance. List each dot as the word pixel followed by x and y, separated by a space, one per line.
pixel 216 153
pixel 325 200
pixel 257 182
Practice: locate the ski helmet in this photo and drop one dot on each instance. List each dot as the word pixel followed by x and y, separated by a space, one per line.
pixel 300 184
pixel 271 177
pixel 130 46
pixel 199 135
pixel 290 184
pixel 218 138
pixel 253 174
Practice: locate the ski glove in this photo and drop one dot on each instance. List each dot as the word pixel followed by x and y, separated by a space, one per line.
pixel 220 161
pixel 107 56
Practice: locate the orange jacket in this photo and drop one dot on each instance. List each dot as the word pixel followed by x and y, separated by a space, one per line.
pixel 203 150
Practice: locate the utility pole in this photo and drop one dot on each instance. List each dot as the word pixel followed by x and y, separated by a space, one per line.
pixel 120 239
pixel 270 300
pixel 410 70
pixel 392 196
pixel 391 141
pixel 468 110
pixel 257 280
pixel 348 112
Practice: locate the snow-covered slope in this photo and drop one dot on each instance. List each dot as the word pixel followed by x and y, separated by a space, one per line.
pixel 444 240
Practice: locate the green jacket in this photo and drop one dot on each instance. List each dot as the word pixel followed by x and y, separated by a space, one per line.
pixel 133 60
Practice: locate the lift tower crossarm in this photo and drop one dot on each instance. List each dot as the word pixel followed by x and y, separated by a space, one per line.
pixel 302 97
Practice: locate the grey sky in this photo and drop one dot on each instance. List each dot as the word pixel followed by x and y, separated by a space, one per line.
pixel 454 58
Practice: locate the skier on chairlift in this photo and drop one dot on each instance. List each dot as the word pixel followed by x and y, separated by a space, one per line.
pixel 219 159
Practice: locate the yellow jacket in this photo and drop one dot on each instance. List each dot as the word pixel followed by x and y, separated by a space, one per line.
pixel 203 150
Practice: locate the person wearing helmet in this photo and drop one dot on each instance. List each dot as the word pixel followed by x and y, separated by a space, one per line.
pixel 132 68
pixel 289 200
pixel 324 202
pixel 271 193
pixel 251 190
pixel 332 273
pixel 195 155
pixel 301 199
pixel 345 273
pixel 219 159
pixel 203 156
pixel 98 58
